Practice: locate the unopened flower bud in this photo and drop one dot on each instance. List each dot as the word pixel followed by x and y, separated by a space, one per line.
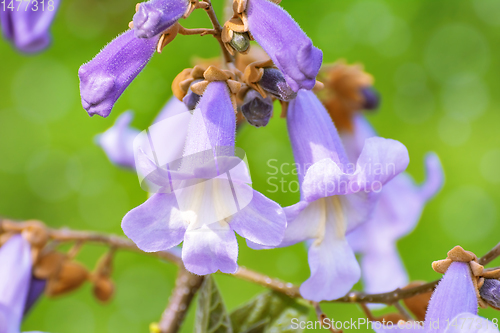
pixel 191 99
pixel 240 41
pixel 371 98
pixel 274 83
pixel 71 277
pixel 48 265
pixel 256 109
pixel 103 289
pixel 490 292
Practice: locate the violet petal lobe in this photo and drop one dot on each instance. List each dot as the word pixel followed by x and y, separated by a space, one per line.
pixel 156 16
pixel 285 42
pixel 28 27
pixel 118 141
pixel 104 78
pixel 15 260
pixel 262 221
pixel 210 248
pixel 155 225
pixel 454 294
pixel 334 268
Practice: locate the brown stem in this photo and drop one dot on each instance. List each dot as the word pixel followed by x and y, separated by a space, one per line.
pixel 322 317
pixel 66 235
pixel 201 31
pixel 402 311
pixel 490 256
pixel 186 286
pixel 218 28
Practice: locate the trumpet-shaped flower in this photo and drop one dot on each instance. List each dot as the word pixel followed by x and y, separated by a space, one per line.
pixel 452 308
pixel 397 212
pixel 27 27
pixel 206 198
pixel 155 16
pixel 335 197
pixel 104 78
pixel 285 42
pixel 118 141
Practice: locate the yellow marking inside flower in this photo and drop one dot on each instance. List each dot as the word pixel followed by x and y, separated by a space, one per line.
pixel 331 205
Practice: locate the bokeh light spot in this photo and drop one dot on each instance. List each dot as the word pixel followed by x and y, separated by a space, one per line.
pixel 468 214
pixel 44 175
pixel 44 90
pixel 456 48
pixel 453 132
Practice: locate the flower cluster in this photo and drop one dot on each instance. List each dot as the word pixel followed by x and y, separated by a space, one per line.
pixel 202 192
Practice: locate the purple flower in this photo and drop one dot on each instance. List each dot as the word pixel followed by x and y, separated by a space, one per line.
pixel 287 45
pixel 15 260
pixel 118 141
pixel 104 78
pixel 155 16
pixel 397 212
pixel 27 27
pixel 452 308
pixel 335 196
pixel 212 202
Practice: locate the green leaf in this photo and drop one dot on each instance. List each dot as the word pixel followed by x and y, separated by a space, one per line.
pixel 270 312
pixel 211 315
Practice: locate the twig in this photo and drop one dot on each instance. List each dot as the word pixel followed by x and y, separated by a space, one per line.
pixel 218 29
pixel 386 298
pixel 186 286
pixel 490 256
pixel 289 289
pixel 322 317
pixel 403 311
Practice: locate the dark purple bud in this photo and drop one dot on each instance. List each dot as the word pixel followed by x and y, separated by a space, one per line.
pixel 490 292
pixel 37 287
pixel 191 99
pixel 274 83
pixel 371 98
pixel 256 109
pixel 104 78
pixel 156 16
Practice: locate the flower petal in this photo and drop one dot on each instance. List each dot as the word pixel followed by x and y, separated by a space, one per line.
pixel 156 16
pixel 334 270
pixel 287 45
pixel 383 270
pixel 104 78
pixel 262 221
pixel 118 141
pixel 15 260
pixel 37 287
pixel 29 29
pixel 454 294
pixel 470 323
pixel 312 133
pixel 210 248
pixel 156 225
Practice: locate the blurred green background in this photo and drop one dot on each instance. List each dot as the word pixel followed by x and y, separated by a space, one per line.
pixel 435 62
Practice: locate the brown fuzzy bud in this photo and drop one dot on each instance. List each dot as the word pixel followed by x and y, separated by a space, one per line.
pixel 48 265
pixel 71 276
pixel 103 288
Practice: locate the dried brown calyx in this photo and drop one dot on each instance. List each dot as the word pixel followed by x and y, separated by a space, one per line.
pixel 101 277
pixel 478 272
pixel 186 81
pixel 346 92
